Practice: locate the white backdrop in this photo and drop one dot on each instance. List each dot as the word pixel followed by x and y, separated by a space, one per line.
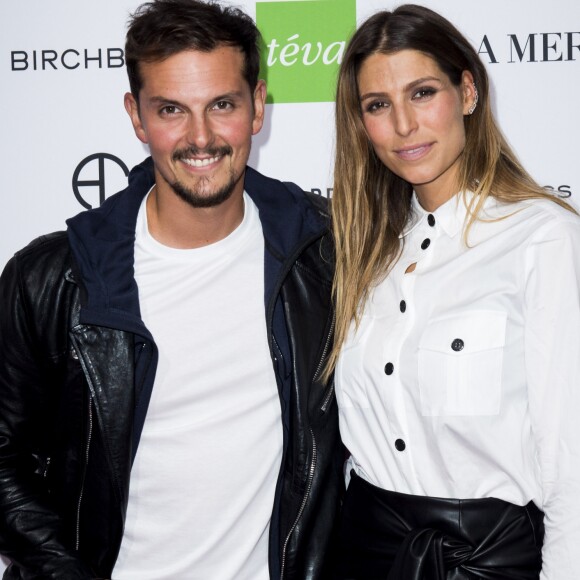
pixel 53 119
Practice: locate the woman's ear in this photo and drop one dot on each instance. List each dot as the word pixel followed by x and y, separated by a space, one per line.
pixel 468 92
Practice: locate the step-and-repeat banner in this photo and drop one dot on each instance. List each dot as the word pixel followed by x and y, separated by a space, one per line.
pixel 67 143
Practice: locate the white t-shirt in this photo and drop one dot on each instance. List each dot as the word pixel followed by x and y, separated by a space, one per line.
pixel 463 379
pixel 203 481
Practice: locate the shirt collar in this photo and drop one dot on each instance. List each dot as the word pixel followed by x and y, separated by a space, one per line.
pixel 451 216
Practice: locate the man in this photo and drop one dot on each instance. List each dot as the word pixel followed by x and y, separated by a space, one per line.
pixel 161 411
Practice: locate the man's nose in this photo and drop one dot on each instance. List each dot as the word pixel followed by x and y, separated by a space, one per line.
pixel 199 133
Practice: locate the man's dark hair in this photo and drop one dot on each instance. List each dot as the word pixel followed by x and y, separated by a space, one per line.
pixel 162 28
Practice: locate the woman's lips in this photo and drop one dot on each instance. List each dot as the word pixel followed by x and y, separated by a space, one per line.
pixel 414 152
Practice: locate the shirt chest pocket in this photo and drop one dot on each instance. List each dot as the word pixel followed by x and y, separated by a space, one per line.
pixel 460 364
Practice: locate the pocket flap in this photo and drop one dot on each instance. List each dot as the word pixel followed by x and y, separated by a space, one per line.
pixel 465 333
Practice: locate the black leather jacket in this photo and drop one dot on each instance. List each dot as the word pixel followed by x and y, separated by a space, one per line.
pixel 76 370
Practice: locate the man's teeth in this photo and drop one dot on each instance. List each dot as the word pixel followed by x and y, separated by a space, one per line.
pixel 201 162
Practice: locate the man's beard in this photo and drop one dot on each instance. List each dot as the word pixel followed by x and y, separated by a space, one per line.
pixel 200 196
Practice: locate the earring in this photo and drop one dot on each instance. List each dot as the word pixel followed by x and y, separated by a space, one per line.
pixel 474 104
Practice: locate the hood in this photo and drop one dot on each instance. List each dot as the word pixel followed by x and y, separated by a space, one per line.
pixel 102 241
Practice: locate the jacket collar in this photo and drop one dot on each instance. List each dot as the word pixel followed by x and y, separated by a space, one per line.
pixel 102 241
pixel 287 216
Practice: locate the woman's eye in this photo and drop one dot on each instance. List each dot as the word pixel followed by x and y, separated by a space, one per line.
pixel 375 106
pixel 424 93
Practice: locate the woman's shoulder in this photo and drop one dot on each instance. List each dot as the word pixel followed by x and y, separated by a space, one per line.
pixel 525 222
pixel 539 213
pixel 551 213
pixel 545 219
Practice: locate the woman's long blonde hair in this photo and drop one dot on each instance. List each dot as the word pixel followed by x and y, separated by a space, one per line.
pixel 370 204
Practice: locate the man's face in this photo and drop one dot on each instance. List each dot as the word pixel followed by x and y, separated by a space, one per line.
pixel 197 114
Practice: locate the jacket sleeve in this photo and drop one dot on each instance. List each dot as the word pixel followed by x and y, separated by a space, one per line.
pixel 31 533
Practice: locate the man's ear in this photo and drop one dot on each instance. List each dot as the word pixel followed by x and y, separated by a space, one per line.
pixel 132 108
pixel 259 106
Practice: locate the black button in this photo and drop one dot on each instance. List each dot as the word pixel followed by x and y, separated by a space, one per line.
pixel 403 306
pixel 457 345
pixel 431 220
pixel 425 243
pixel 389 368
pixel 400 445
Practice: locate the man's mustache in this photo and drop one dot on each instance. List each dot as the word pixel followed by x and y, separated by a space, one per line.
pixel 196 152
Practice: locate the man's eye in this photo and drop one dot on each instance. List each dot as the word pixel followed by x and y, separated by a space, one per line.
pixel 222 105
pixel 169 110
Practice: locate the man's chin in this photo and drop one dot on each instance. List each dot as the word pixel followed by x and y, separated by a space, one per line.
pixel 202 197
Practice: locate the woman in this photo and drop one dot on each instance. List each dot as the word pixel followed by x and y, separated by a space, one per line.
pixel 457 355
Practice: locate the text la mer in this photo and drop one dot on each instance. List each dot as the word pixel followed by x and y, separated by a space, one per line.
pixel 289 54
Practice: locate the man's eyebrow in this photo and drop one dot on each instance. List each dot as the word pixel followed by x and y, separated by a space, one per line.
pixel 230 95
pixel 160 99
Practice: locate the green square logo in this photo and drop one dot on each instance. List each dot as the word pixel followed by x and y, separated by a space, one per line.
pixel 304 41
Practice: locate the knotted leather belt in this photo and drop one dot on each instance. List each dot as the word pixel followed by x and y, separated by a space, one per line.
pixel 392 536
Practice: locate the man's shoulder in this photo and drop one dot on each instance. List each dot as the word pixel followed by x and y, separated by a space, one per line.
pixel 319 202
pixel 49 251
pixel 44 246
pixel 44 262
pixel 286 195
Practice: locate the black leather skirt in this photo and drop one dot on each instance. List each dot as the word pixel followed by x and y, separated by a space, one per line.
pixel 386 535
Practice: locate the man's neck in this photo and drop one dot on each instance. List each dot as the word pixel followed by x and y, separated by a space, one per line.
pixel 175 223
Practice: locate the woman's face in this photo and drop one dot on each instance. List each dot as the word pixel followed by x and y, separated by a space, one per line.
pixel 413 116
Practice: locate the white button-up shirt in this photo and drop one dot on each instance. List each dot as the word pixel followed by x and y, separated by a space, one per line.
pixel 463 378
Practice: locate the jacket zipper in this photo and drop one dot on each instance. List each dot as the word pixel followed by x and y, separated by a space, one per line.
pixel 78 527
pixel 302 505
pixel 326 345
pixel 278 349
pixel 330 392
pixel 314 448
pixel 46 466
pixel 327 398
pixel 269 317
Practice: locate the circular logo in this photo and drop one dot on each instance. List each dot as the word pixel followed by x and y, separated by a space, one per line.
pixel 101 171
